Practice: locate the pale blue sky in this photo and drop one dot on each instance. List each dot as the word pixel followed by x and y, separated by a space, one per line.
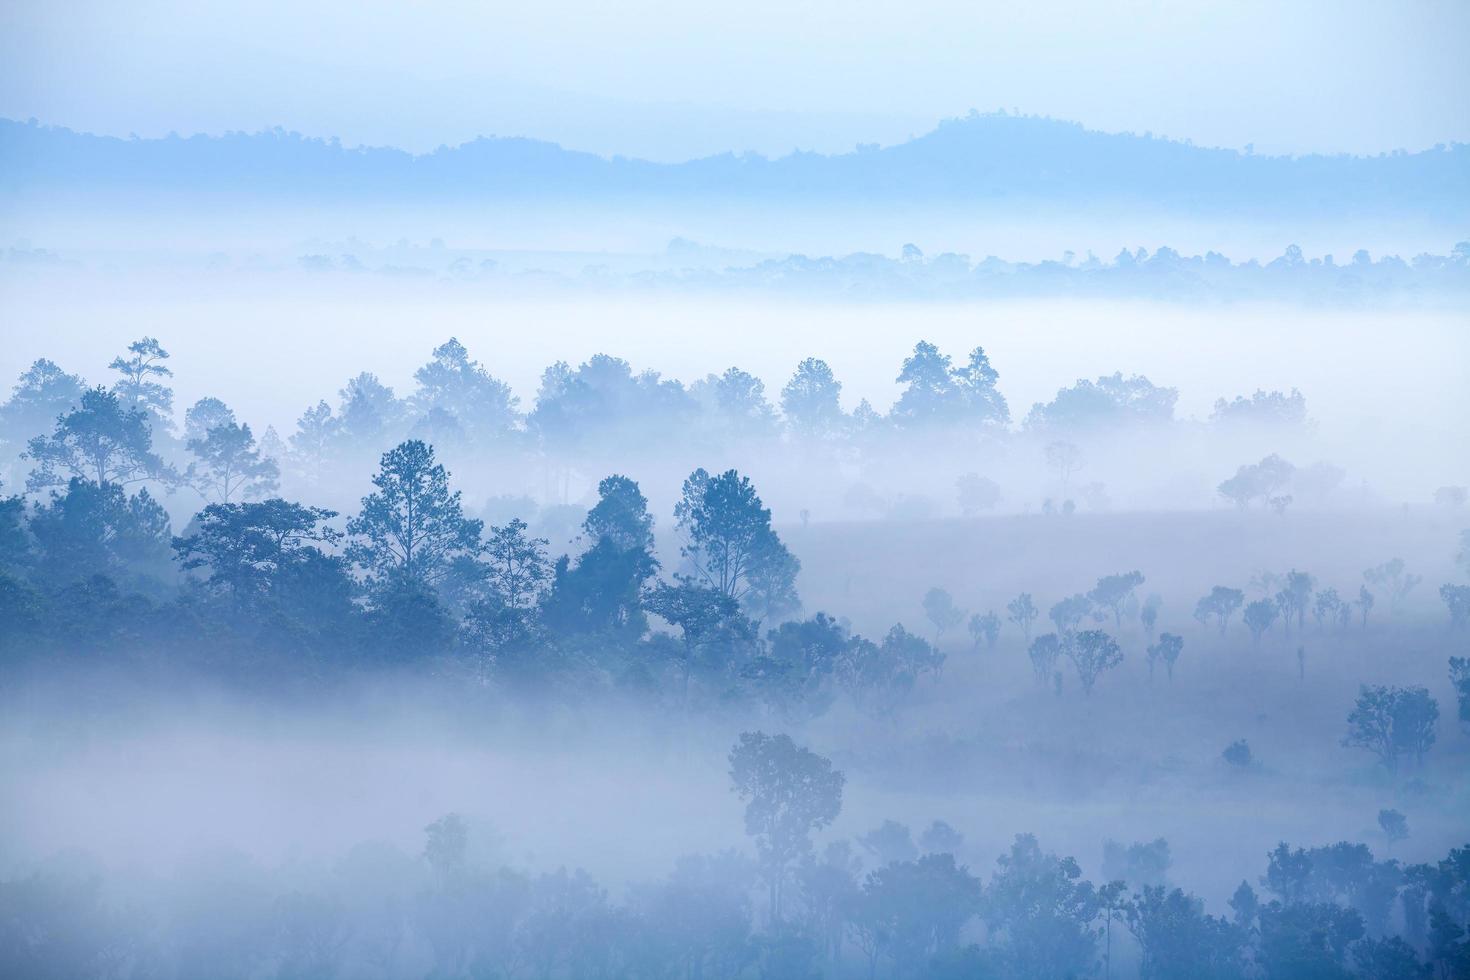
pixel 671 79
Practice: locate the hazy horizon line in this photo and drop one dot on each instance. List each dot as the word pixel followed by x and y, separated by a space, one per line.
pixel 972 116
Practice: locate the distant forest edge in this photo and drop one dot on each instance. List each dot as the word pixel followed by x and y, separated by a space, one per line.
pixel 993 159
pixel 1424 280
pixel 1166 274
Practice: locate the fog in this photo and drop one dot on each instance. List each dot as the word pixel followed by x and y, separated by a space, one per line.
pixel 1009 548
pixel 1388 412
pixel 191 750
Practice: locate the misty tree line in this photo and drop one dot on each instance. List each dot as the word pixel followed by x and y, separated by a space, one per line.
pixel 412 579
pixel 1165 273
pixel 409 578
pixel 283 592
pixel 588 418
pixel 91 563
pixel 883 903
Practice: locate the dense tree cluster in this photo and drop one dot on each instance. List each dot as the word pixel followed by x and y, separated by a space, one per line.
pixel 909 910
pixel 588 419
pixel 264 590
pixel 410 579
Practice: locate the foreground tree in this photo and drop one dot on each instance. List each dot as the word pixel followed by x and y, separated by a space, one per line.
pixel 1460 678
pixel 975 385
pixel 229 465
pixel 794 674
pixel 1043 652
pixel 1041 913
pixel 251 550
pixel 1393 722
pixel 789 792
pixel 1326 607
pixel 1113 592
pixel 513 577
pixel 913 911
pixel 1092 652
pixel 98 530
pixel 1220 605
pixel 602 593
pixel 1457 599
pixel 1167 649
pixel 101 441
pixel 1295 598
pixel 772 594
pixel 1306 939
pixel 928 387
pixel 729 542
pixel 451 383
pixel 620 515
pixel 140 384
pixel 412 529
pixel 369 413
pixel 1395 826
pixel 1177 939
pixel 809 401
pixel 315 435
pixel 517 570
pixel 880 675
pixel 1259 616
pixel 1069 612
pixel 717 637
pixel 40 394
pixel 734 405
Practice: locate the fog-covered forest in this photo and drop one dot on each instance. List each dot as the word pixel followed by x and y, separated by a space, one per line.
pixel 670 492
pixel 972 717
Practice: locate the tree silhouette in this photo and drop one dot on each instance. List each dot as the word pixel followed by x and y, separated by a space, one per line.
pixel 1392 722
pixel 411 529
pixel 1092 652
pixel 940 610
pixel 1259 616
pixel 728 540
pixel 789 792
pixel 620 515
pixel 230 465
pixel 1023 612
pixel 1044 910
pixel 139 386
pixel 928 393
pixel 809 401
pixel 481 406
pixel 40 394
pixel 1113 591
pixel 975 383
pixel 986 627
pixel 249 548
pixel 100 441
pixel 1167 649
pixel 1457 600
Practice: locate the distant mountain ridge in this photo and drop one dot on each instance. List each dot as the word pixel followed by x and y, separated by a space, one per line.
pixel 992 159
